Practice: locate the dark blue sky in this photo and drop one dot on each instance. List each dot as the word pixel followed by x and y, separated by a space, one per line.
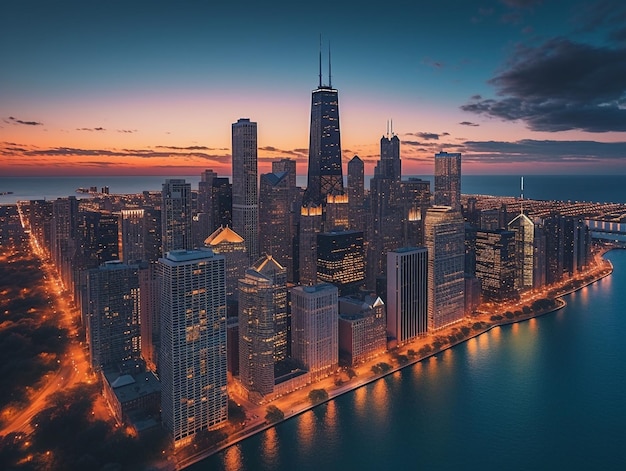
pixel 491 79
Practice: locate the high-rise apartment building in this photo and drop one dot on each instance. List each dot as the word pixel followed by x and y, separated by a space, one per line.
pixel 444 233
pixel 524 229
pixel 310 225
pixel 245 185
pixel 448 179
pixel 314 328
pixel 262 325
pixel 176 215
pixel 113 310
pixel 407 293
pixel 192 362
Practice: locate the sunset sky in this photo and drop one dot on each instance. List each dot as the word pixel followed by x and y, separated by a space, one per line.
pixel 142 87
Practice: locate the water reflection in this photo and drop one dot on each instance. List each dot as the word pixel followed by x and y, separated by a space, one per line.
pixel 233 458
pixel 270 445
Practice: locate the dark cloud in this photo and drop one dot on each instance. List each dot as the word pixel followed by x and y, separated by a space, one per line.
pixel 90 129
pixel 28 123
pixel 561 85
pixel 128 131
pixel 193 148
pixel 428 135
pixel 530 150
pixel 468 123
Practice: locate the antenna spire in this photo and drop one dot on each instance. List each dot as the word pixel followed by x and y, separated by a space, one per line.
pixel 329 76
pixel 320 75
pixel 522 195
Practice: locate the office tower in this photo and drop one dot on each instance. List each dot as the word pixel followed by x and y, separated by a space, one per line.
pixel 289 167
pixel 152 232
pixel 262 325
pixel 214 203
pixel 524 229
pixel 495 264
pixel 245 190
pixel 341 260
pixel 362 328
pixel 112 320
pixel 389 166
pixel 356 194
pixel 131 235
pixel 325 175
pixel 224 241
pixel 554 230
pixel 314 328
pixel 310 226
pixel 407 293
pixel 444 237
pixel 415 201
pixel 97 238
pixel 176 215
pixel 192 361
pixel 275 200
pixel 387 208
pixel 448 179
pixel 149 306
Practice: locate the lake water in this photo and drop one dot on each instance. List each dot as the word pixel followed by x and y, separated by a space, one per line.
pixel 549 393
pixel 595 188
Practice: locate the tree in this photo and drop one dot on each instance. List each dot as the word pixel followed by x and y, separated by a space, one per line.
pixel 273 414
pixel 318 395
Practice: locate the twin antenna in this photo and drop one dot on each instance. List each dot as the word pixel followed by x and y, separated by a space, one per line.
pixel 329 75
pixel 390 128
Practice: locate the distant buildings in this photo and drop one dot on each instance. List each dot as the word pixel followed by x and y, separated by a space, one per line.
pixel 193 342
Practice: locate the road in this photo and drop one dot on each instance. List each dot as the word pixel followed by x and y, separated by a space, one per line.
pixel 73 364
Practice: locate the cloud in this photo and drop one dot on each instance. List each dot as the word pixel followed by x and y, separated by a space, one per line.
pixel 28 123
pixel 560 85
pixel 531 150
pixel 128 131
pixel 425 135
pixel 192 148
pixel 90 129
pixel 521 3
pixel 468 123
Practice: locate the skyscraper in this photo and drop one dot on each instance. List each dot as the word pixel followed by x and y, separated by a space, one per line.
pixel 356 194
pixel 315 328
pixel 176 215
pixel 407 293
pixel 262 324
pixel 245 189
pixel 444 236
pixel 389 166
pixel 131 235
pixel 495 263
pixel 524 229
pixel 448 179
pixel 224 241
pixel 341 260
pixel 325 175
pixel 112 320
pixel 193 342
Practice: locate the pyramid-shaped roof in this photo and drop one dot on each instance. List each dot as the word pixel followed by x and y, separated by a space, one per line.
pixel 221 235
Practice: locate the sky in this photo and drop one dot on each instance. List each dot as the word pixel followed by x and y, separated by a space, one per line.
pixel 141 87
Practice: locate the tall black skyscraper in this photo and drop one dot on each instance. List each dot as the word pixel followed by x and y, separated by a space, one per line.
pixel 325 176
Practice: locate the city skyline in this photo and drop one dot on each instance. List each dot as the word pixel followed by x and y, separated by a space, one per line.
pixel 517 86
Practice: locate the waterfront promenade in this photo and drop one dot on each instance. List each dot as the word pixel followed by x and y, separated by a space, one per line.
pixel 488 317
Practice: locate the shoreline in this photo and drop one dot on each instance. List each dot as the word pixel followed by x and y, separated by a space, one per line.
pixel 334 392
